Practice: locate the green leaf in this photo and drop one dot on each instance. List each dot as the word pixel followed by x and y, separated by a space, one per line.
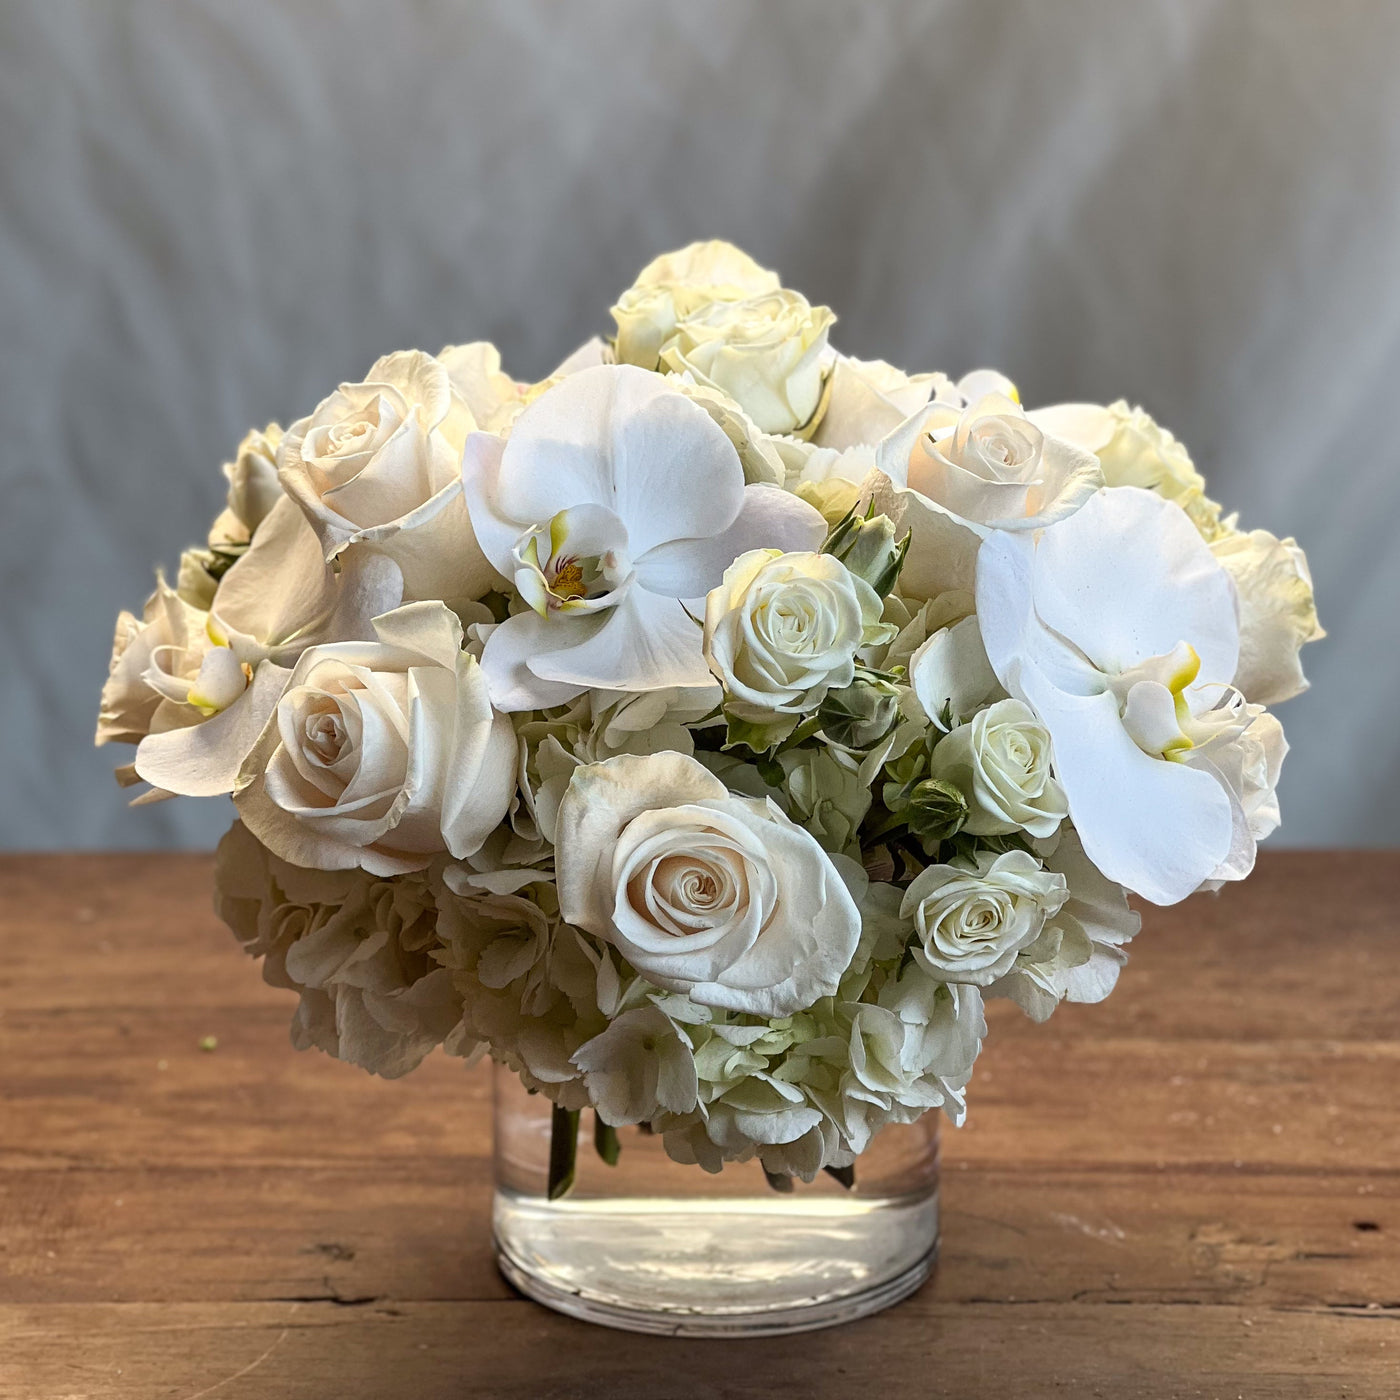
pixel 758 738
pixel 498 604
pixel 770 770
pixel 563 1151
pixel 605 1141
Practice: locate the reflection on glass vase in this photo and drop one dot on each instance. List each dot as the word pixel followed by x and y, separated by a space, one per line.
pixel 653 1246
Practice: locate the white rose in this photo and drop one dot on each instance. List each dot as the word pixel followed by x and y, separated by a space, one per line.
pixel 973 918
pixel 783 629
pixel 826 479
pixel 378 465
pixel 1277 613
pixel 677 285
pixel 639 1067
pixel 768 354
pixel 1135 450
pixel 1000 761
pixel 381 754
pixel 253 487
pixel 869 399
pixel 760 458
pixel 990 464
pixel 358 950
pixel 719 897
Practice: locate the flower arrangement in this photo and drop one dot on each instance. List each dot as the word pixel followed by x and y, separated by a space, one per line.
pixel 706 731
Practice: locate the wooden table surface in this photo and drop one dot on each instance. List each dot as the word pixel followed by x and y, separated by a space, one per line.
pixel 1191 1190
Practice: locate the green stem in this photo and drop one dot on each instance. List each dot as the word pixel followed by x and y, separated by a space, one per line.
pixel 605 1141
pixel 563 1151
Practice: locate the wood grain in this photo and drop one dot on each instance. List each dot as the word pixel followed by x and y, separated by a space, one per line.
pixel 1193 1189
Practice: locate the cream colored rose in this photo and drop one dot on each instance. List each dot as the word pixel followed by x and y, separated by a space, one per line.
pixel 1277 614
pixel 378 466
pixel 253 487
pixel 1000 761
pixel 990 464
pixel 768 354
pixel 716 896
pixel 972 918
pixel 381 754
pixel 869 399
pixel 783 629
pixel 677 285
pixel 491 396
pixel 1135 450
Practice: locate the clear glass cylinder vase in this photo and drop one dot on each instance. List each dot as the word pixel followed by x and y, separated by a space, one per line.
pixel 650 1245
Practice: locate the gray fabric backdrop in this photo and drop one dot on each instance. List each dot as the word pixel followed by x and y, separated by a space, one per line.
pixel 212 210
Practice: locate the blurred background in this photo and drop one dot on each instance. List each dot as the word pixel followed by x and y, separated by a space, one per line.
pixel 211 211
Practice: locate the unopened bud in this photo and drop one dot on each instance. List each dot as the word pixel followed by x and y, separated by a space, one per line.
pixel 937 810
pixel 866 545
pixel 860 714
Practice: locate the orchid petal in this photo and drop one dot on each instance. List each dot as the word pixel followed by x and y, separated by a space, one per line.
pixel 1122 605
pixel 1015 640
pixel 621 437
pixel 1158 827
pixel 481 472
pixel 769 518
pixel 203 760
pixel 645 643
pixel 510 648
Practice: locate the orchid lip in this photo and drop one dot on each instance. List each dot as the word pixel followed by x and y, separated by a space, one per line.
pixel 577 562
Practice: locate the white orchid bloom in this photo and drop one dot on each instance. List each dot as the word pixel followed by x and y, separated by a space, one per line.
pixel 615 502
pixel 279 599
pixel 1120 629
